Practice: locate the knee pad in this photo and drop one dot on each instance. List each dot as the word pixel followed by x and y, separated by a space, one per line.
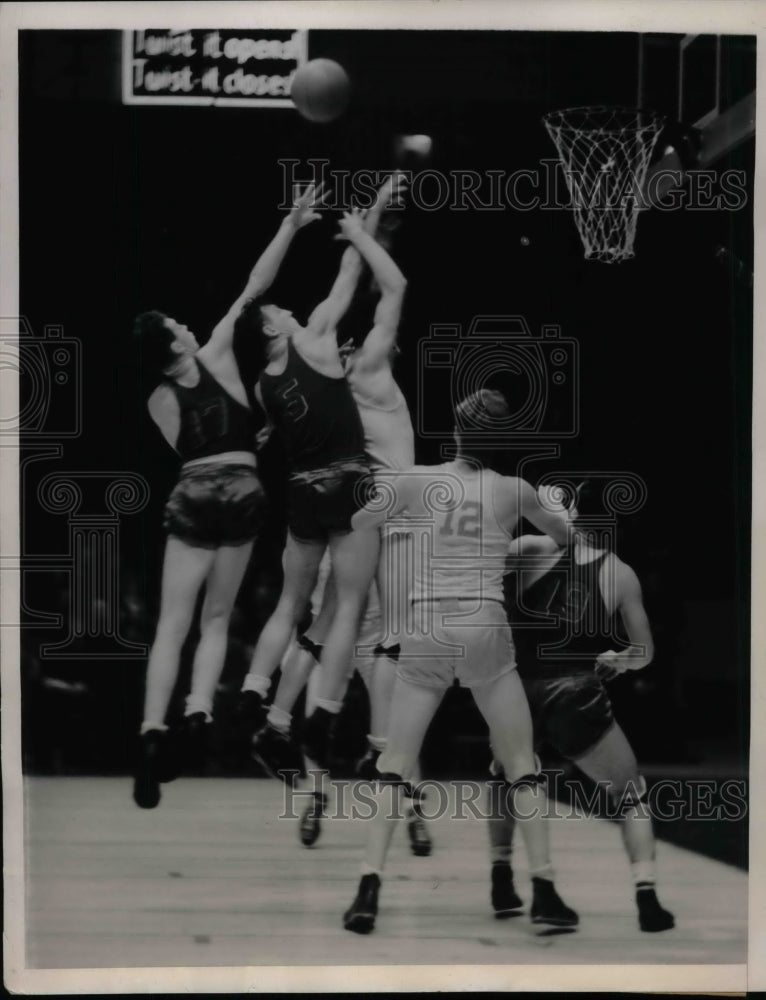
pixel 315 648
pixel 390 778
pixel 497 770
pixel 391 652
pixel 525 781
pixel 631 796
pixel 418 797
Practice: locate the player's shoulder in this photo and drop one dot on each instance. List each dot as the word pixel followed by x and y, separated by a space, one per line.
pixel 511 484
pixel 510 492
pixel 623 577
pixel 162 398
pixel 220 363
pixel 424 475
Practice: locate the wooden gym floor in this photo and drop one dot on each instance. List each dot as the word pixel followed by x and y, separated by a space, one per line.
pixel 212 877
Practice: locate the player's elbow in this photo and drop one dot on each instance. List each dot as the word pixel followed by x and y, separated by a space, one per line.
pixel 396 286
pixel 641 654
pixel 562 538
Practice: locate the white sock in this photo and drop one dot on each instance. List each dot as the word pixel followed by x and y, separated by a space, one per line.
pixel 643 871
pixel 257 683
pixel 365 869
pixel 378 743
pixel 279 719
pixel 501 853
pixel 544 871
pixel 328 705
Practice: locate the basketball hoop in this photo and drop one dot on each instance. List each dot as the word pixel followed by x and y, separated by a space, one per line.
pixel 605 153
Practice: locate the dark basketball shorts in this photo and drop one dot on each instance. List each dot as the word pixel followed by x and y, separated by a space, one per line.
pixel 214 505
pixel 321 502
pixel 572 712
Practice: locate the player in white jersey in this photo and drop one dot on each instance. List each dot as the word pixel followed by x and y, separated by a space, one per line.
pixel 389 441
pixel 468 514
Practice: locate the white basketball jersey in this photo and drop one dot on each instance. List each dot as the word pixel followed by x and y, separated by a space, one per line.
pixel 388 436
pixel 462 545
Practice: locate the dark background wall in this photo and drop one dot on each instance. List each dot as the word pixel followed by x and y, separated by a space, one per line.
pixel 127 208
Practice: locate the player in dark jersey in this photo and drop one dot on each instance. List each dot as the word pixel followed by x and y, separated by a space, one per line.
pixel 213 513
pixel 308 400
pixel 563 620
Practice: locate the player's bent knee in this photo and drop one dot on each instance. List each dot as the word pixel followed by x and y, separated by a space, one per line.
pixel 531 780
pixel 314 648
pixel 391 652
pixel 389 779
pixel 215 618
pixel 631 794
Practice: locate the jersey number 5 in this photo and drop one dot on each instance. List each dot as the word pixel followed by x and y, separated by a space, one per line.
pixel 469 522
pixel 295 402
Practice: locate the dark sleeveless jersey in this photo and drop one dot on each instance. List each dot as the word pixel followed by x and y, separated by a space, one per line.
pixel 314 414
pixel 212 421
pixel 560 623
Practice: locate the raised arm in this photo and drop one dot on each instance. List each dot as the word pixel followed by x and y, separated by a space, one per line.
pixel 630 604
pixel 330 311
pixel 392 284
pixel 266 267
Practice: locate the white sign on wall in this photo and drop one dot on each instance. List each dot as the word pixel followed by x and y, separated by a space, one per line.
pixel 243 68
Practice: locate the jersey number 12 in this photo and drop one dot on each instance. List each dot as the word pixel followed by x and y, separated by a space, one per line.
pixel 468 525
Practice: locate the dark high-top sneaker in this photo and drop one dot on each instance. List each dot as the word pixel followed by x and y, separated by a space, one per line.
pixel 277 753
pixel 310 825
pixel 317 732
pixel 146 779
pixel 548 909
pixel 651 916
pixel 506 902
pixel 360 916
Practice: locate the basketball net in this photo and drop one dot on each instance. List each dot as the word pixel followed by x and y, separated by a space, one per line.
pixel 605 153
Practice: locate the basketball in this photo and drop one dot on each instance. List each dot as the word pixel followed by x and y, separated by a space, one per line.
pixel 320 90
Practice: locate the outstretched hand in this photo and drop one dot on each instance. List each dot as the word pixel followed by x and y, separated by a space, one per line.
pixel 393 190
pixel 610 665
pixel 351 225
pixel 305 206
pixel 390 197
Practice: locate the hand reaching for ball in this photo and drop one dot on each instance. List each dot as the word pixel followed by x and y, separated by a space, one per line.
pixel 305 206
pixel 351 225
